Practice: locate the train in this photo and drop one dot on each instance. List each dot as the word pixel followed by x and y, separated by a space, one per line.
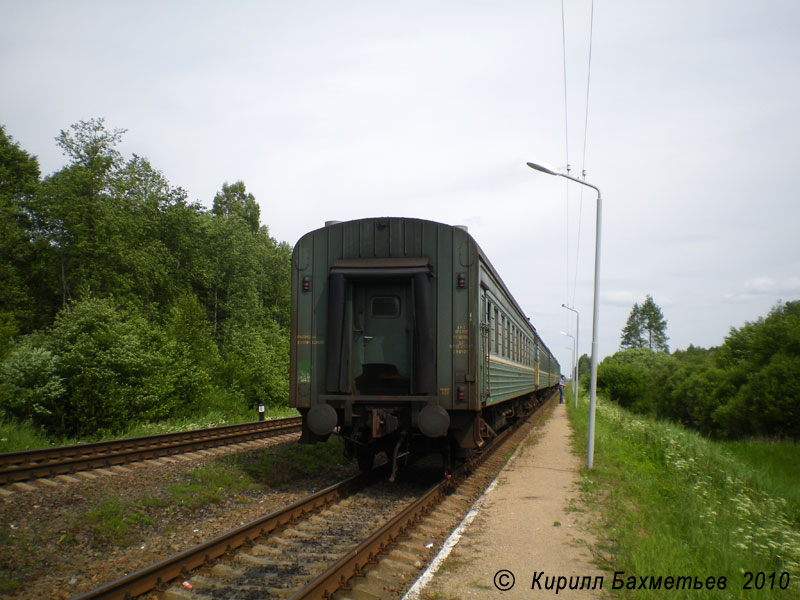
pixel 405 340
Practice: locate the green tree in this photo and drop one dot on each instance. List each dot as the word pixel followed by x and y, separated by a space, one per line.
pixel 274 277
pixel 232 289
pixel 90 144
pixel 19 183
pixel 761 362
pixel 78 218
pixel 632 336
pixel 248 271
pixel 234 200
pixel 645 328
pixel 150 271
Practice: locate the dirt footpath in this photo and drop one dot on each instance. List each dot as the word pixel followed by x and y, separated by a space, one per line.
pixel 528 523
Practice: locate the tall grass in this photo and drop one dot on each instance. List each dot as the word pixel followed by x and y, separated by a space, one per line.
pixel 15 437
pixel 672 503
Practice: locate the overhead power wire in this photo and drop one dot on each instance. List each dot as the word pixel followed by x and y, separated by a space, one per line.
pixel 566 138
pixel 583 158
pixel 564 62
pixel 588 82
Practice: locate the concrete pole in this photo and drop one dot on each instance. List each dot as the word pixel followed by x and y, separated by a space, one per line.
pixel 595 307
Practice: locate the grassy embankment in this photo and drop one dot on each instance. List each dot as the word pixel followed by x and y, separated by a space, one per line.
pixel 672 503
pixel 15 437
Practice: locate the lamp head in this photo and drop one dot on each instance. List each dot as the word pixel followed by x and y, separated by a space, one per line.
pixel 544 168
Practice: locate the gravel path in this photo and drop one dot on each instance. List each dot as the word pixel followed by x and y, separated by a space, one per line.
pixel 529 522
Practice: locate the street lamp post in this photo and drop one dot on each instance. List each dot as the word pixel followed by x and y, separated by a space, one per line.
pixel 577 341
pixel 574 363
pixel 593 371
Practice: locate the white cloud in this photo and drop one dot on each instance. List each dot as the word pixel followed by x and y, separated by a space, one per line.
pixel 431 110
pixel 776 286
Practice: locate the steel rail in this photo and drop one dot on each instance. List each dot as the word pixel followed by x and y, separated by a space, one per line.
pixel 353 563
pixel 179 565
pixel 60 460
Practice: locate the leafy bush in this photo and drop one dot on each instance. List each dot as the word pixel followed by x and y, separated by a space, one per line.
pixel 100 368
pixel 256 363
pixel 629 377
pixel 112 367
pixel 624 383
pixel 31 388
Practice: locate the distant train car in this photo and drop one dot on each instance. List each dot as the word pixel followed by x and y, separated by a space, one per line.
pixel 404 339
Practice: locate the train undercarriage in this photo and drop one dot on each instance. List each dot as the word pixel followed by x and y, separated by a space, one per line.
pixel 404 432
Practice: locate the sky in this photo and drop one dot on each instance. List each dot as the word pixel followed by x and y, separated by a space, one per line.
pixel 683 113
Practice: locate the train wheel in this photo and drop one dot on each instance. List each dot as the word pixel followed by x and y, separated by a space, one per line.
pixel 366 459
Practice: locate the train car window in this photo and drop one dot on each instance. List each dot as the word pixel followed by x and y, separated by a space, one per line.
pixel 385 307
pixel 515 337
pixel 489 325
pixel 502 335
pixel 496 332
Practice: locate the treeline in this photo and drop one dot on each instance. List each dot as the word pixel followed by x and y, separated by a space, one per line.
pixel 122 301
pixel 748 387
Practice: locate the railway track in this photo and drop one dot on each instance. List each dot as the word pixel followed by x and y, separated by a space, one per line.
pixel 314 548
pixel 63 460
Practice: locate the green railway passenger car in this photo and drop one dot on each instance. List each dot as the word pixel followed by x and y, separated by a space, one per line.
pixel 405 340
